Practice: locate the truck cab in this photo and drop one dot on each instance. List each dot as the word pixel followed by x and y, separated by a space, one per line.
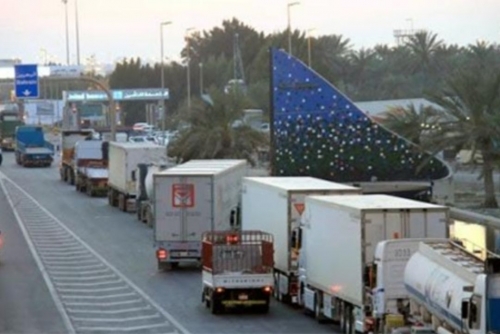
pixel 480 312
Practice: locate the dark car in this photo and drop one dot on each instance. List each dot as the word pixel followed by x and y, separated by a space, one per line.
pixel 1 157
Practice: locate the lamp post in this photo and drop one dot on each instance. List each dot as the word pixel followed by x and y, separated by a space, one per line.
pixel 65 2
pixel 77 31
pixel 309 57
pixel 163 109
pixel 188 69
pixel 201 79
pixel 291 4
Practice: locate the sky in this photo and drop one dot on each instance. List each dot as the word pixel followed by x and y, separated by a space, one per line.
pixel 113 29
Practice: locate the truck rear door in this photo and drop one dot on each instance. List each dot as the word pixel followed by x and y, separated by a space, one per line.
pixel 183 207
pixel 379 226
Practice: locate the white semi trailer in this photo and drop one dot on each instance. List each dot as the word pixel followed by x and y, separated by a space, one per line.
pixel 191 200
pixel 274 205
pixel 123 161
pixel 340 236
pixel 453 290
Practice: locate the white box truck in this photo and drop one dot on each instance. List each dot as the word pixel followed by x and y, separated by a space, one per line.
pixel 340 235
pixel 274 205
pixel 188 201
pixel 123 161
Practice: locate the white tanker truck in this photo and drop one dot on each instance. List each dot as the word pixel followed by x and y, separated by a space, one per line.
pixel 144 186
pixel 452 290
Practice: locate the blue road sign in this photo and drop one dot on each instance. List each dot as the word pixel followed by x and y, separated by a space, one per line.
pixel 26 81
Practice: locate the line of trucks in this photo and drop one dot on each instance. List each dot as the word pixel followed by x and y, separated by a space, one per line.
pixel 372 263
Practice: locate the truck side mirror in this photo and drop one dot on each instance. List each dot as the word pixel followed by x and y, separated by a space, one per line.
pixel 465 309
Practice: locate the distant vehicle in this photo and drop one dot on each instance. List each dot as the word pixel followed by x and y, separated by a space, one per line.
pixel 137 139
pixel 1 157
pixel 31 147
pixel 264 127
pixel 9 120
pixel 237 270
pixel 143 127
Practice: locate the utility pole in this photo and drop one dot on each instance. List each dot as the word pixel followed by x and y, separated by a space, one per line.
pixel 77 29
pixel 291 4
pixel 188 69
pixel 163 108
pixel 65 2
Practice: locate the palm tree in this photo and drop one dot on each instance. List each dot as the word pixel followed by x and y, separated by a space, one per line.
pixel 470 104
pixel 212 131
pixel 409 122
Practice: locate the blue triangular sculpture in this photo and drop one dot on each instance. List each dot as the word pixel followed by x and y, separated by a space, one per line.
pixel 317 131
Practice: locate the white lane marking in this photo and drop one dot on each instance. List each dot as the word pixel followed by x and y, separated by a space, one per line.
pixel 84 279
pixel 120 295
pixel 128 310
pixel 123 277
pixel 140 317
pixel 38 261
pixel 128 329
pixel 134 301
pixel 89 284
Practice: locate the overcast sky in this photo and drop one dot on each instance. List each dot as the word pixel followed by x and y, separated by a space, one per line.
pixel 111 29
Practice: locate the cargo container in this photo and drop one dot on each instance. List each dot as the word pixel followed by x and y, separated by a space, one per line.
pixel 123 161
pixel 190 201
pixel 274 205
pixel 68 140
pixel 91 174
pixel 340 235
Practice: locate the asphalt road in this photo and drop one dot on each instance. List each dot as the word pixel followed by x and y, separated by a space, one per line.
pixel 26 306
pixel 128 245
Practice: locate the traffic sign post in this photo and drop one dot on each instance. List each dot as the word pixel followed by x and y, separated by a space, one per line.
pixel 26 81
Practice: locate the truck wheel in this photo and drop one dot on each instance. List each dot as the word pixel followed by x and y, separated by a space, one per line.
pixel 111 201
pixel 215 305
pixel 264 309
pixel 149 217
pixel 122 203
pixel 164 266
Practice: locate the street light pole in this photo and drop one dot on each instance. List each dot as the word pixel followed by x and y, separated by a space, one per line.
pixel 201 79
pixel 188 70
pixel 309 58
pixel 163 109
pixel 77 30
pixel 65 2
pixel 291 4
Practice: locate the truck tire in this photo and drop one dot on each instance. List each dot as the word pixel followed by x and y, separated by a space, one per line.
pixel 149 217
pixel 264 309
pixel 111 197
pixel 215 304
pixel 62 173
pixel 122 203
pixel 89 190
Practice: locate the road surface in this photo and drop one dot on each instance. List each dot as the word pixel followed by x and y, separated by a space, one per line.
pixel 26 305
pixel 123 248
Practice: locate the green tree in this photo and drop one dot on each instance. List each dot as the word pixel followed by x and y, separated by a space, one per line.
pixel 212 132
pixel 471 103
pixel 411 123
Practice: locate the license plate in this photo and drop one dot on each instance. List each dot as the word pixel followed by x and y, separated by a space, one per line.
pixel 243 297
pixel 183 253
